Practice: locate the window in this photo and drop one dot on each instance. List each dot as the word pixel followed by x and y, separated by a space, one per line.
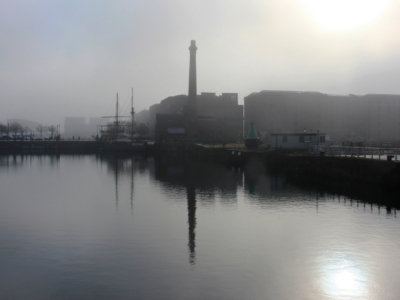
pixel 301 139
pixel 284 139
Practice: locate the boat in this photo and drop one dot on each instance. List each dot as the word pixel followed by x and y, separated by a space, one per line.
pixel 118 144
pixel 127 145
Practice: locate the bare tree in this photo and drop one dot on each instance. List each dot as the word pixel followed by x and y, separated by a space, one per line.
pixel 52 129
pixel 3 129
pixel 25 129
pixel 15 128
pixel 40 128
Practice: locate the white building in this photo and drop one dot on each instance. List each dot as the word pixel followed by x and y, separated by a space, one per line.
pixel 297 140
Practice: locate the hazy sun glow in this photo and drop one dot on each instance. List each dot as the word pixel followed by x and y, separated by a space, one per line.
pixel 342 279
pixel 341 14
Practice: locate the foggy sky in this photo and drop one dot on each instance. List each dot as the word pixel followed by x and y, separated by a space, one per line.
pixel 70 58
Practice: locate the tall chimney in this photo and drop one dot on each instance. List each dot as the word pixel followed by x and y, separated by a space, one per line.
pixel 192 99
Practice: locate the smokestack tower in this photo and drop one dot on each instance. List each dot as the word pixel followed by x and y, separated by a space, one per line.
pixel 192 99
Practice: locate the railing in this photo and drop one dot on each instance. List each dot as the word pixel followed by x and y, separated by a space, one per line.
pixel 359 152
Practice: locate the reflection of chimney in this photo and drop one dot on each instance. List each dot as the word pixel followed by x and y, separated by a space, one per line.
pixel 191 204
pixel 192 99
pixel 191 172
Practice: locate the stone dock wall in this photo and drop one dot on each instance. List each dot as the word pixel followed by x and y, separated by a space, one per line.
pixel 49 147
pixel 350 169
pixel 360 170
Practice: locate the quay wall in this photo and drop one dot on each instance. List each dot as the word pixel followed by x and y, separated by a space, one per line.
pixel 373 172
pixel 45 147
pixel 351 169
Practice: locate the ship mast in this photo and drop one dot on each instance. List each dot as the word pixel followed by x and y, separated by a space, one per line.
pixel 116 120
pixel 132 113
pixel 117 116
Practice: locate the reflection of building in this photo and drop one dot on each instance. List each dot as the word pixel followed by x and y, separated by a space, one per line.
pixel 207 116
pixel 369 117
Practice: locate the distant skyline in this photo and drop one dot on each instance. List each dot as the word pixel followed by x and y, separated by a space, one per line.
pixel 70 58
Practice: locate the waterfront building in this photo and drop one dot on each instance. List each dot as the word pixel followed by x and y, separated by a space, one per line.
pixel 218 116
pixel 171 127
pixel 142 117
pixel 296 140
pixel 77 126
pixel 170 105
pixel 342 117
pixel 208 116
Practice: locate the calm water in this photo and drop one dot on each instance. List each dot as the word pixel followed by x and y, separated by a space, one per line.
pixel 92 227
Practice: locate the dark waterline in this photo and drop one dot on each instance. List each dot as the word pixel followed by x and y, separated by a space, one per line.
pixel 115 227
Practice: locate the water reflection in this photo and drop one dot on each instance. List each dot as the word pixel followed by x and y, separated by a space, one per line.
pixel 191 207
pixel 341 278
pixel 211 182
pixel 126 166
pixel 260 231
pixel 16 162
pixel 204 181
pixel 200 181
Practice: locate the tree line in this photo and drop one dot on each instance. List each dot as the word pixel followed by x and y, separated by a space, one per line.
pixel 111 130
pixel 15 128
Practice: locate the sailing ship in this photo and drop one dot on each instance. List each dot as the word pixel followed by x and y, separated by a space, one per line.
pixel 119 143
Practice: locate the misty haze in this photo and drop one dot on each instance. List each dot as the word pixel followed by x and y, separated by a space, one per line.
pixel 200 149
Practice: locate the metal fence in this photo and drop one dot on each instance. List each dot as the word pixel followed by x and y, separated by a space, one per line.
pixel 360 152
